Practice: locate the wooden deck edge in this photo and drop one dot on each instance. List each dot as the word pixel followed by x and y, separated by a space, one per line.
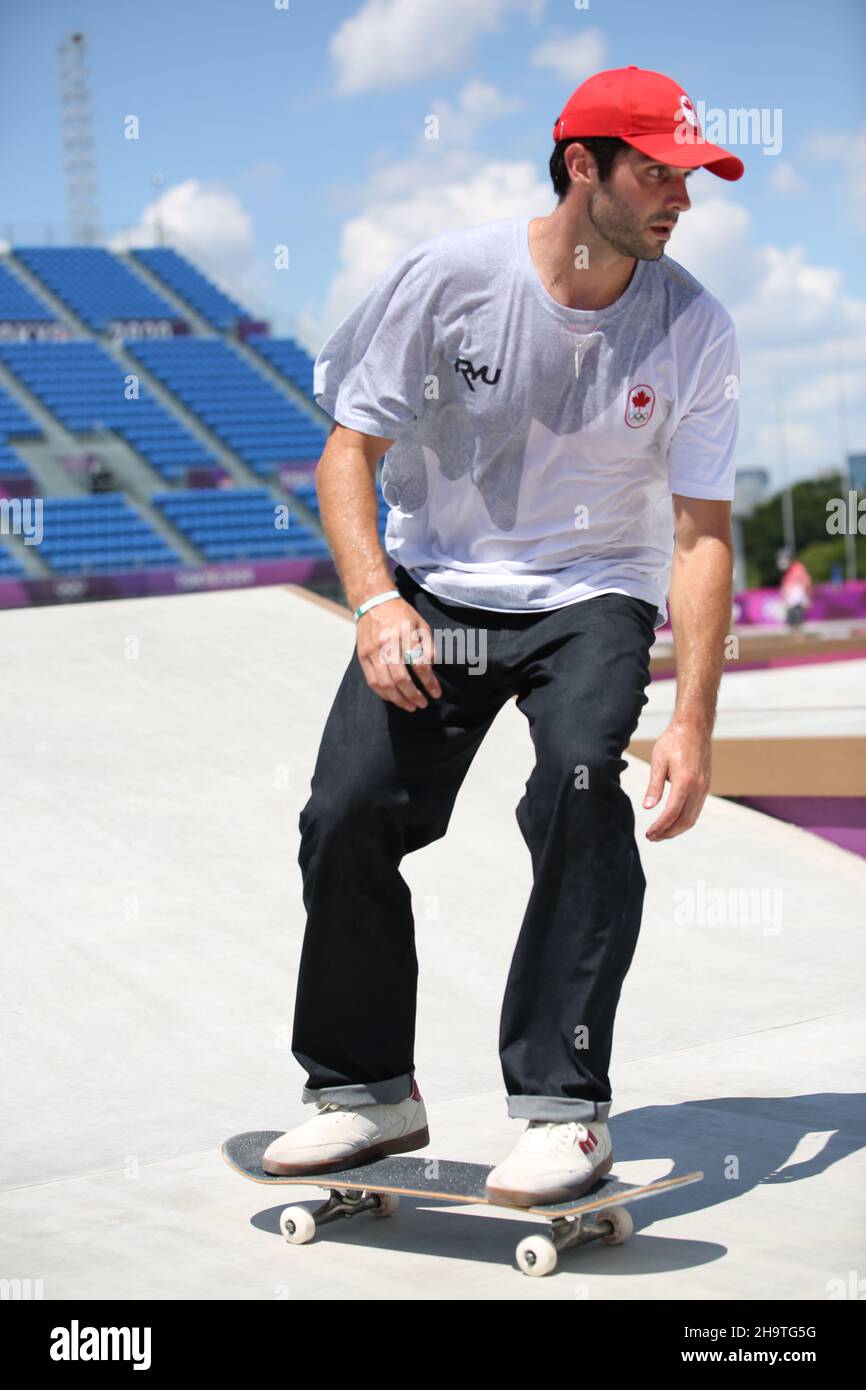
pixel 764 766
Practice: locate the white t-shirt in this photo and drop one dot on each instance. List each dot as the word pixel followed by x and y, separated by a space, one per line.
pixel 536 446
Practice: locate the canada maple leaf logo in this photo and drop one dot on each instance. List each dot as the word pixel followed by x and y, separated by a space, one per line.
pixel 688 111
pixel 641 403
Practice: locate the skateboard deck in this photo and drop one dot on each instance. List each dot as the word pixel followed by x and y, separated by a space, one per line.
pixel 598 1213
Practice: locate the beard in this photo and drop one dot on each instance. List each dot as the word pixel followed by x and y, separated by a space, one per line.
pixel 623 229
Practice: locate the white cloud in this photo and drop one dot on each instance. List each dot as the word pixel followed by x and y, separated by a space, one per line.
pixel 803 365
pixel 208 224
pixel 572 57
pixel 789 446
pixel 785 181
pixel 467 192
pixel 206 217
pixel 477 104
pixel 847 148
pixel 484 102
pixel 792 299
pixel 802 338
pixel 711 240
pixel 391 43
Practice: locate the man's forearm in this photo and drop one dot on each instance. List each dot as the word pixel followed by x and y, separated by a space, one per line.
pixel 349 509
pixel 700 604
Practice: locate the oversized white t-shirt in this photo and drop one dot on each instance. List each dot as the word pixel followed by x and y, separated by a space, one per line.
pixel 536 447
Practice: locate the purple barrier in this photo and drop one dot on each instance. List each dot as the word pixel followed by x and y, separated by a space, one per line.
pixel 751 607
pixel 17 485
pixel 210 476
pixel 298 471
pixel 21 593
pixel 245 327
pixel 841 819
pixel 764 606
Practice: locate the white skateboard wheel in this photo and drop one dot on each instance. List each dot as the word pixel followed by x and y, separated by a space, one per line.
pixel 621 1225
pixel 387 1204
pixel 536 1256
pixel 297 1225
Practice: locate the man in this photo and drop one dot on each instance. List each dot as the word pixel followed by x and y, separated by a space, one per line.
pixel 544 387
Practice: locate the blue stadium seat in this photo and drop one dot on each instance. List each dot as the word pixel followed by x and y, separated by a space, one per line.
pixel 14 420
pixel 235 401
pixel 82 385
pixel 238 524
pixel 218 308
pixel 9 566
pixel 100 535
pixel 17 303
pixel 85 388
pixel 94 283
pixel 287 357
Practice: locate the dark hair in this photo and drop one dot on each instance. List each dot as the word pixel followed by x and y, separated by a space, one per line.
pixel 603 148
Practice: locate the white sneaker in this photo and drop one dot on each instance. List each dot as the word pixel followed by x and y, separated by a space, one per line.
pixel 552 1162
pixel 341 1136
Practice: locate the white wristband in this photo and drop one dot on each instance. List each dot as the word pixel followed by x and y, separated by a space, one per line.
pixel 380 598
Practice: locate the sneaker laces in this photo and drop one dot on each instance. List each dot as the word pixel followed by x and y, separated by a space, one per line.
pixel 323 1105
pixel 554 1136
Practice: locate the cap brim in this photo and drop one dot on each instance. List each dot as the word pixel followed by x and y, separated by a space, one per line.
pixel 699 154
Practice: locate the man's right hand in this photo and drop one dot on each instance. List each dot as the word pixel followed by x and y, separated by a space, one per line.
pixel 386 634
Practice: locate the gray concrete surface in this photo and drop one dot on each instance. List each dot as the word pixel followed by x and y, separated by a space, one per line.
pixel 156 755
pixel 808 701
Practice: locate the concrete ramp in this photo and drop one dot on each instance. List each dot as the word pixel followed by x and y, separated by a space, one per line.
pixel 157 753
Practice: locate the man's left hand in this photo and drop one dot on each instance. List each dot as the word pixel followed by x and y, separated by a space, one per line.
pixel 681 756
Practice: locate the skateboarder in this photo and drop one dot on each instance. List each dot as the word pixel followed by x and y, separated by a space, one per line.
pixel 558 404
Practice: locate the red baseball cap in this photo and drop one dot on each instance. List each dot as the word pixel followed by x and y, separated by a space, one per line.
pixel 650 112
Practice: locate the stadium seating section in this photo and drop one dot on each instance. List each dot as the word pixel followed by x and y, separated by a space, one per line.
pixel 18 304
pixel 219 310
pixel 100 535
pixel 130 376
pixel 9 566
pixel 87 389
pixel 240 524
pixel 14 420
pixel 239 404
pixel 97 286
pixel 288 358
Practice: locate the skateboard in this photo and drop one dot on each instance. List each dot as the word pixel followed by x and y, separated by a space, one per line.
pixel 599 1214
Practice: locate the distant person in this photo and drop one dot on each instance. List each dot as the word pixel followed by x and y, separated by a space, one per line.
pixel 796 588
pixel 551 430
pixel 100 476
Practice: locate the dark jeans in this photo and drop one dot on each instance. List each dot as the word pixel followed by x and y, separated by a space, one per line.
pixel 385 784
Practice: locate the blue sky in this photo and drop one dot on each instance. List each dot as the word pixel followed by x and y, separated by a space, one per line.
pixel 304 126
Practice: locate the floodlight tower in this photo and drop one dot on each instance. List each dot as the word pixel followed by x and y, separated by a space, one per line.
pixel 79 147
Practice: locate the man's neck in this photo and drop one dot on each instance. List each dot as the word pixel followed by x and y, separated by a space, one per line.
pixel 552 243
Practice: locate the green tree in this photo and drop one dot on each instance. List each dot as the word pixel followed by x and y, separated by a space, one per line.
pixel 763 533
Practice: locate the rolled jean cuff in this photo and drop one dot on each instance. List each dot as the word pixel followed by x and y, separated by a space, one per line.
pixel 558 1109
pixel 363 1092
